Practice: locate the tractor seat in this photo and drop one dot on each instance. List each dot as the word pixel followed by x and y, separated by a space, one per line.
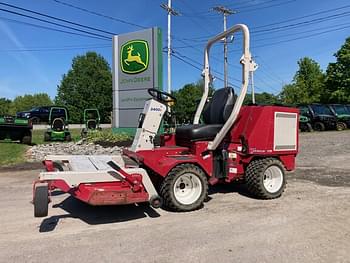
pixel 91 124
pixel 58 124
pixel 215 114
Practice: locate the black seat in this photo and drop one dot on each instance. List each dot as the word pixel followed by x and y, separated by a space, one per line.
pixel 58 124
pixel 215 114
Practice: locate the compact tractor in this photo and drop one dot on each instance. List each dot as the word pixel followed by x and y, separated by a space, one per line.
pixel 58 121
pixel 233 142
pixel 92 121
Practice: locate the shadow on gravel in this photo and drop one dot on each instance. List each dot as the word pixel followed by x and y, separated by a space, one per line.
pixel 236 187
pixel 95 215
pixel 22 167
pixel 323 176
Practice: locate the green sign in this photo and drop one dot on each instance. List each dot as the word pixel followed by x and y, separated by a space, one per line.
pixel 134 56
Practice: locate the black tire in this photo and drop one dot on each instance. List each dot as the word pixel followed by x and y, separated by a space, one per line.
pixel 27 139
pixel 255 176
pixel 319 126
pixel 41 200
pixel 341 126
pixel 167 188
pixel 47 137
pixel 68 138
pixel 309 127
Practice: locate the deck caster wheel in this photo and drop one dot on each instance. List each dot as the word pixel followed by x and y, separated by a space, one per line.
pixel 41 200
pixel 184 188
pixel 265 178
pixel 156 201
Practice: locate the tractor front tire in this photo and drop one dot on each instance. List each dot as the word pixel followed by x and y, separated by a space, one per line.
pixel 265 178
pixel 41 200
pixel 341 126
pixel 319 126
pixel 68 138
pixel 184 188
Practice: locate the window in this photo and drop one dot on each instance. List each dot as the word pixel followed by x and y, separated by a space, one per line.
pixel 321 110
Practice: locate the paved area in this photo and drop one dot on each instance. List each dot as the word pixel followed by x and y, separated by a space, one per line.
pixel 309 223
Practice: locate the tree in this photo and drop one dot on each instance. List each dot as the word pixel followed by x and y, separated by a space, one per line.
pixel 4 106
pixel 188 98
pixel 87 84
pixel 308 84
pixel 263 98
pixel 28 101
pixel 338 76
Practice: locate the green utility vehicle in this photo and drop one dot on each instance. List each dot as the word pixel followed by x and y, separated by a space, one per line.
pixel 58 121
pixel 92 121
pixel 16 129
pixel 343 115
pixel 304 124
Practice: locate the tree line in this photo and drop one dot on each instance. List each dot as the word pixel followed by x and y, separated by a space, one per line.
pixel 88 83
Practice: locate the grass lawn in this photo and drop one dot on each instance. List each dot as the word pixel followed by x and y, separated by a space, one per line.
pixel 14 153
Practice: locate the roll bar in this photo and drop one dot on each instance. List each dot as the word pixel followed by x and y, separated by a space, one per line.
pixel 247 66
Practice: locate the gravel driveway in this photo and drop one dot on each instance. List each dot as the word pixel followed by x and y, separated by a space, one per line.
pixel 310 223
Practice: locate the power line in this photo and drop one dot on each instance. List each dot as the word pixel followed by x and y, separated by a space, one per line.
pixel 49 28
pixel 53 23
pixel 57 19
pixel 100 14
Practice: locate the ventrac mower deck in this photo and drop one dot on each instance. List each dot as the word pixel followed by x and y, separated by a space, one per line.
pixel 233 142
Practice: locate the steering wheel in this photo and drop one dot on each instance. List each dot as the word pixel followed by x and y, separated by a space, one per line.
pixel 161 96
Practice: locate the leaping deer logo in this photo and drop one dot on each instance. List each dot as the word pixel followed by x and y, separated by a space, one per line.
pixel 133 58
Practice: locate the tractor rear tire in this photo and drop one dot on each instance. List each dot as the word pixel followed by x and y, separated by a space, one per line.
pixel 319 126
pixel 184 189
pixel 265 178
pixel 41 200
pixel 341 126
pixel 27 139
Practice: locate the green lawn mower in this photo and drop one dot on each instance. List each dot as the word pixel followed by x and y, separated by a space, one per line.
pixel 58 121
pixel 92 121
pixel 16 129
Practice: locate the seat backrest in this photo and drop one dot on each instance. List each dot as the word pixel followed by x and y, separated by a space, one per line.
pixel 219 108
pixel 58 124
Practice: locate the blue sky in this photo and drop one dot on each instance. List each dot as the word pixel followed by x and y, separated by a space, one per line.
pixel 34 59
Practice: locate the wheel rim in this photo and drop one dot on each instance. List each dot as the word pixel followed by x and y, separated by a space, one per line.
pixel 187 188
pixel 273 179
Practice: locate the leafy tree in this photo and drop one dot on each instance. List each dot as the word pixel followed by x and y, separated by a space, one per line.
pixel 308 84
pixel 28 101
pixel 338 76
pixel 263 98
pixel 188 98
pixel 87 84
pixel 5 105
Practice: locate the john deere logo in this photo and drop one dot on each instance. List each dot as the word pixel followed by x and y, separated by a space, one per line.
pixel 134 56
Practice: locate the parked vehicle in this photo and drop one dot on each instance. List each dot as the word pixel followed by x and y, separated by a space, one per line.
pixel 92 121
pixel 304 124
pixel 39 114
pixel 58 130
pixel 321 117
pixel 15 129
pixel 342 114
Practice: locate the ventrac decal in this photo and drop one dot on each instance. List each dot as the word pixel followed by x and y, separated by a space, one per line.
pixel 156 109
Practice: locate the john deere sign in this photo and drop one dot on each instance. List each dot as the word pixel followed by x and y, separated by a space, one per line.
pixel 137 66
pixel 134 56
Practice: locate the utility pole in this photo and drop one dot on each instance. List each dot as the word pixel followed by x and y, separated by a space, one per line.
pixel 170 11
pixel 226 12
pixel 252 85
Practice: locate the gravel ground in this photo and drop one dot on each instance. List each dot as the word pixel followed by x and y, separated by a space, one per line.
pixel 309 223
pixel 38 152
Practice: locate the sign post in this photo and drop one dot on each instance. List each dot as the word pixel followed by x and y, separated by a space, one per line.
pixel 137 66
